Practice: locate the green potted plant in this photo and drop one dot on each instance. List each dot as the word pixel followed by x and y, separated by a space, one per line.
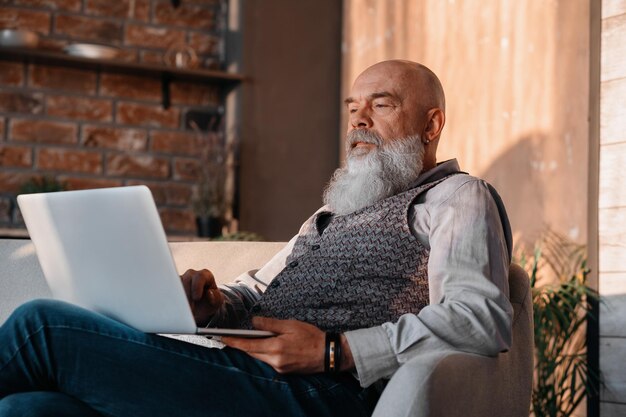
pixel 562 309
pixel 42 185
pixel 241 236
pixel 38 184
pixel 211 195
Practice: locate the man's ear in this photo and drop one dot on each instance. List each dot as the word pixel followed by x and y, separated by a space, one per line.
pixel 435 119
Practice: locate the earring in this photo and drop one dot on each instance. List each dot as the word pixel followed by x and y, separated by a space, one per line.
pixel 426 141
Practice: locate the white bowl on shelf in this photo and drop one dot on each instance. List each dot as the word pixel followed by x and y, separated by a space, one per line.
pixel 89 50
pixel 18 38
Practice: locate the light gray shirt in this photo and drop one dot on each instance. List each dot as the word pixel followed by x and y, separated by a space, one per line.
pixel 463 224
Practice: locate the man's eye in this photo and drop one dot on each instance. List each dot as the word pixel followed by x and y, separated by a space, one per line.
pixel 352 110
pixel 383 108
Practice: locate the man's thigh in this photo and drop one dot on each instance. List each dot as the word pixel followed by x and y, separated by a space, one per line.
pixel 116 370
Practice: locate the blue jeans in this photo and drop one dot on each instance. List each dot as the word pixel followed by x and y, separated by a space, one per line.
pixel 59 359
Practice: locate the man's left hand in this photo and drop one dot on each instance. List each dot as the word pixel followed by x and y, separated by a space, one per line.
pixel 297 347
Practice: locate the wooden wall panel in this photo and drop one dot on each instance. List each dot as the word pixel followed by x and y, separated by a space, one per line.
pixel 613 113
pixel 613 307
pixel 516 77
pixel 613 48
pixel 612 410
pixel 612 209
pixel 613 8
pixel 613 365
pixel 612 230
pixel 612 184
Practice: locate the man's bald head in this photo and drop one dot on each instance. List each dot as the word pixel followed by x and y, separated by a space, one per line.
pixel 415 76
pixel 397 99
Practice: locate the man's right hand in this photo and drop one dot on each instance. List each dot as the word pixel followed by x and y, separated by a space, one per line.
pixel 203 295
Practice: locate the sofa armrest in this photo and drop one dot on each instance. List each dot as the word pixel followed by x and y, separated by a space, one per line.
pixel 447 384
pixel 21 278
pixel 227 260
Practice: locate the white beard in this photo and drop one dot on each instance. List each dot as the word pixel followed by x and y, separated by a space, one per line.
pixel 385 170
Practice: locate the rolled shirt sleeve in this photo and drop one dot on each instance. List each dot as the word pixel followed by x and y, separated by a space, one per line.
pixel 469 309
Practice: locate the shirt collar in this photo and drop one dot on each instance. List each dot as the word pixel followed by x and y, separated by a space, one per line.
pixel 441 170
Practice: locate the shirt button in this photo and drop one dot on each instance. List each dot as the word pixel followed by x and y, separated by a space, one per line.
pixel 275 284
pixel 315 247
pixel 293 264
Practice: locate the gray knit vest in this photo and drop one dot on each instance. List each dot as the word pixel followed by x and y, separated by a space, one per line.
pixel 366 268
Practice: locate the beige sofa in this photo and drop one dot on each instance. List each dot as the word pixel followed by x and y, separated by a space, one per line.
pixel 445 383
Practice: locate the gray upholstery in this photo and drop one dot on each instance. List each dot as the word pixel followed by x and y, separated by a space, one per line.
pixel 21 278
pixel 446 383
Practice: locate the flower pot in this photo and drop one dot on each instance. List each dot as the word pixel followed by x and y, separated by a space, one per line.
pixel 209 226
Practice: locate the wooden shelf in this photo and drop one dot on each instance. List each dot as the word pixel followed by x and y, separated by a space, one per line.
pixel 14 233
pixel 224 79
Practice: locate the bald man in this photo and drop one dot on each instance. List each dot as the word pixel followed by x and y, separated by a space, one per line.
pixel 407 257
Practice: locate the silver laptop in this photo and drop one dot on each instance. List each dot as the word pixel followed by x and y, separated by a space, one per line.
pixel 106 250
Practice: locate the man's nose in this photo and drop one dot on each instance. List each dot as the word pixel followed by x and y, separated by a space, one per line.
pixel 360 119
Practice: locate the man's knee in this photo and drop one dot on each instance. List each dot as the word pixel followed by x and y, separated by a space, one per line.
pixel 13 406
pixel 43 404
pixel 41 311
pixel 22 405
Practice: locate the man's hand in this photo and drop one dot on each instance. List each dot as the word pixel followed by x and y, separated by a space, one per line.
pixel 203 295
pixel 298 347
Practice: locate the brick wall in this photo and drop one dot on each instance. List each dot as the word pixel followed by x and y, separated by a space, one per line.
pixel 92 129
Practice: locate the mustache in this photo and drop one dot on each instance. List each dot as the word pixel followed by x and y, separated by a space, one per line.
pixel 365 136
